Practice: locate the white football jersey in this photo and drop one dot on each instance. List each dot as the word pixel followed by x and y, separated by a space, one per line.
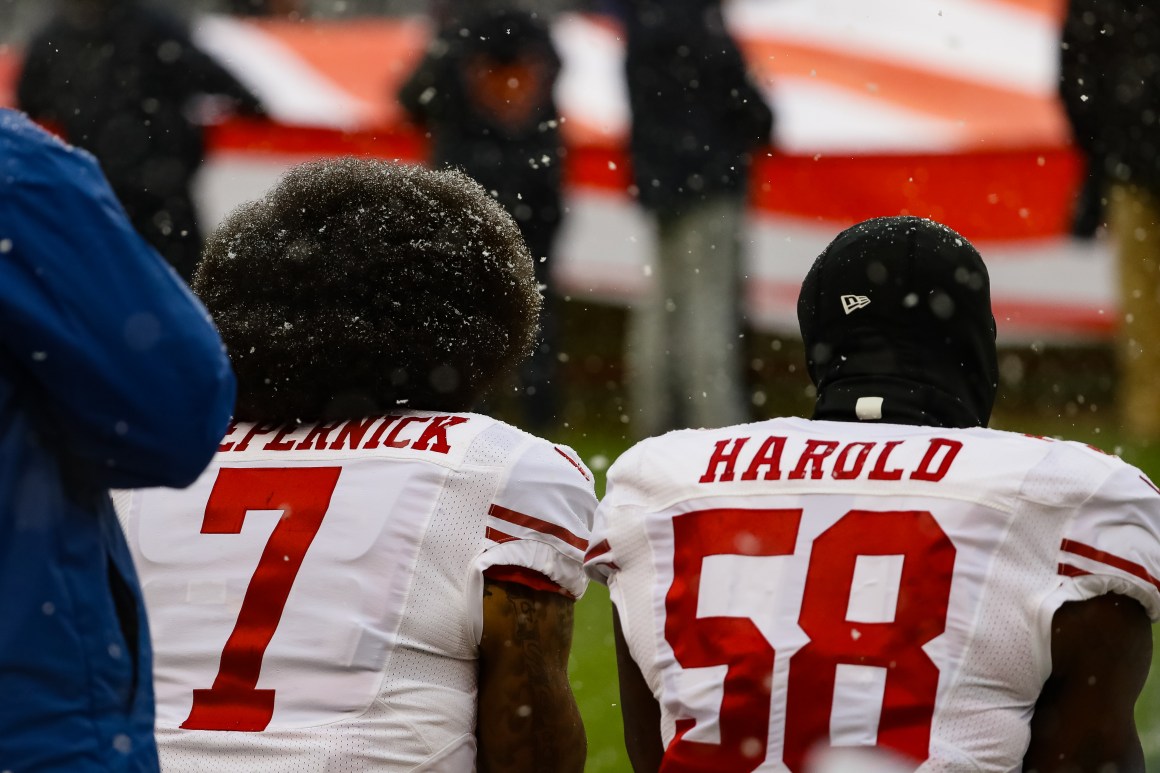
pixel 792 584
pixel 315 598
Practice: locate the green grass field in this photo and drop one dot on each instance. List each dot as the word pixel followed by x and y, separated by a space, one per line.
pixel 593 665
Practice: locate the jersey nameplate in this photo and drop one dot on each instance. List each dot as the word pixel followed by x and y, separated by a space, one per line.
pixel 414 432
pixel 769 459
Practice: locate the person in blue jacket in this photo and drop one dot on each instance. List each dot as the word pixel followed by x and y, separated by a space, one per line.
pixel 111 376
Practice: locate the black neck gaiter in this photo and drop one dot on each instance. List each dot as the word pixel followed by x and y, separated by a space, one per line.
pixel 903 402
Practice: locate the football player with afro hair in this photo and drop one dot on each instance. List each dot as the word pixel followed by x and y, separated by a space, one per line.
pixel 413 605
pixel 357 287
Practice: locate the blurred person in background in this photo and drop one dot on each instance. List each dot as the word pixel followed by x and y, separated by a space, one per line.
pixel 410 607
pixel 284 8
pixel 484 92
pixel 1110 86
pixel 113 376
pixel 124 80
pixel 696 119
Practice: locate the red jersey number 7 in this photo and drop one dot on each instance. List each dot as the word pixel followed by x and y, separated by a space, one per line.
pixel 303 495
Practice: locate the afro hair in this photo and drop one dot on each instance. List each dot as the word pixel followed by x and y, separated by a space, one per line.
pixel 357 287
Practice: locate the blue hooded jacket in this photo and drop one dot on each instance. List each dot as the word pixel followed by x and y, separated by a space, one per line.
pixel 111 376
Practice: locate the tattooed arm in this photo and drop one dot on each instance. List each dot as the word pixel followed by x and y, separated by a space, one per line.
pixel 528 719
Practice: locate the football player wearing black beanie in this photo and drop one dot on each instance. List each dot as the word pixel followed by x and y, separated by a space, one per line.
pixel 891 579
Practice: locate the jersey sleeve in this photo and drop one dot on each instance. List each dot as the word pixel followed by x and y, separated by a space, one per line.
pixel 1112 544
pixel 622 492
pixel 541 517
pixel 600 560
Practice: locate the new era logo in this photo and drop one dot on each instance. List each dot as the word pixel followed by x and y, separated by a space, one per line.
pixel 853 302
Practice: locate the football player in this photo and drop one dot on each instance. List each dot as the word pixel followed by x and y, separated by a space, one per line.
pixel 891 574
pixel 368 577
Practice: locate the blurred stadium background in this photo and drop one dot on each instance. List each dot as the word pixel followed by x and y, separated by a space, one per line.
pixel 944 109
pixel 19 17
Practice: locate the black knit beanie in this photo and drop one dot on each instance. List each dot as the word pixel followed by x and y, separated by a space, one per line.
pixel 896 319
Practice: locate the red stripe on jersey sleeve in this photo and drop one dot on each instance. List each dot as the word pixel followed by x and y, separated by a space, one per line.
pixel 1123 564
pixel 597 550
pixel 529 578
pixel 537 524
pixel 1067 570
pixel 1150 484
pixel 572 462
pixel 495 535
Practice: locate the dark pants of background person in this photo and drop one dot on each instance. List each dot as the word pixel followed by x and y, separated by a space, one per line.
pixel 168 222
pixel 539 384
